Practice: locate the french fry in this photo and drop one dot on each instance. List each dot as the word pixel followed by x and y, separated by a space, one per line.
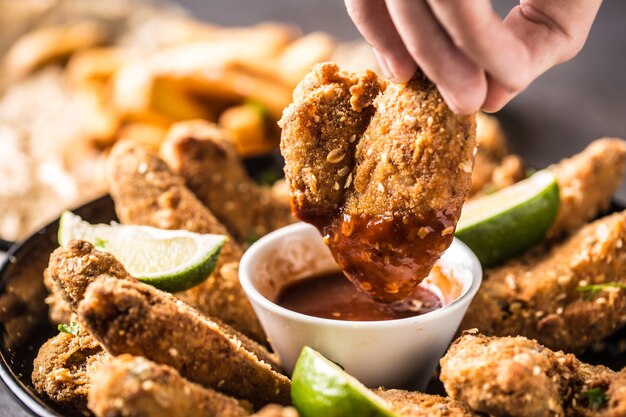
pixel 246 123
pixel 46 44
pixel 298 58
pixel 94 65
pixel 148 134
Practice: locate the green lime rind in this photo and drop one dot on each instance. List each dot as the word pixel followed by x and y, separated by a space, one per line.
pixel 514 229
pixel 171 260
pixel 320 388
pixel 188 277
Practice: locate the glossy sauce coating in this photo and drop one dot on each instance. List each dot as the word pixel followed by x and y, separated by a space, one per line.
pixel 332 296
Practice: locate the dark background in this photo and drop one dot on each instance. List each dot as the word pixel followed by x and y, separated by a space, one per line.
pixel 555 117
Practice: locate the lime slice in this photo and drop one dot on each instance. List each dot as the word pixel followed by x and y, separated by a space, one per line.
pixel 507 222
pixel 171 260
pixel 319 388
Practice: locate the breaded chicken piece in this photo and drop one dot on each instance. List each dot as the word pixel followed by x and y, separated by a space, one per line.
pixel 382 171
pixel 147 193
pixel 131 386
pixel 74 267
pixel 203 154
pixel 539 295
pixel 417 404
pixel 63 368
pixel 494 168
pixel 586 182
pixel 136 318
pixel 517 377
pixel 58 309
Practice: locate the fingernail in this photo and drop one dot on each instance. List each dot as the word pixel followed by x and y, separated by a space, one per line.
pixel 384 67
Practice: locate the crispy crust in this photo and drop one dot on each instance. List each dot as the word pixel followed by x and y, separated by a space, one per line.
pixel 369 163
pixel 417 404
pixel 537 295
pixel 587 181
pixel 131 386
pixel 147 193
pixel 63 368
pixel 204 155
pixel 515 376
pixel 131 317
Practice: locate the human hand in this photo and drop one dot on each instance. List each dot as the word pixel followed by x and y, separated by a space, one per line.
pixel 475 59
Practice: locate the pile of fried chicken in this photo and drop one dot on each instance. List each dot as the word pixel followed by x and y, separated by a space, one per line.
pixel 137 351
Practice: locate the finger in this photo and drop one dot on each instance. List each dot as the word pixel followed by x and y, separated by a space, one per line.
pixel 461 82
pixel 477 31
pixel 553 32
pixel 372 19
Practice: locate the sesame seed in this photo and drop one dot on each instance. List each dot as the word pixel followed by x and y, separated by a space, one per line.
pixel 335 156
pixel 336 185
pixel 381 187
pixel 343 171
pixel 352 139
pixel 348 181
pixel 447 231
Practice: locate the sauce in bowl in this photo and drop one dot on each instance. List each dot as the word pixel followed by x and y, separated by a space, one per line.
pixel 332 296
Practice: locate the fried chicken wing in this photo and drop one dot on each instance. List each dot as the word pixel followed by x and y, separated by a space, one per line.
pixel 417 404
pixel 58 309
pixel 539 295
pixel 147 193
pixel 132 317
pixel 63 368
pixel 517 377
pixel 587 181
pixel 382 171
pixel 206 158
pixel 131 386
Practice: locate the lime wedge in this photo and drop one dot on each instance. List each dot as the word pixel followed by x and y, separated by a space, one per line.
pixel 507 222
pixel 171 260
pixel 319 388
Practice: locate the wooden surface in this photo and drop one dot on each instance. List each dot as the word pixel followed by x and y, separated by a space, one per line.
pixel 555 117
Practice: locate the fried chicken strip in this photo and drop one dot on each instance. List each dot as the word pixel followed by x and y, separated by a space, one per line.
pixel 136 318
pixel 63 368
pixel 587 181
pixel 130 386
pixel 417 404
pixel 205 156
pixel 147 193
pixel 369 163
pixel 517 377
pixel 539 295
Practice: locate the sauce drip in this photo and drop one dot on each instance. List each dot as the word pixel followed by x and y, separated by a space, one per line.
pixel 386 256
pixel 332 296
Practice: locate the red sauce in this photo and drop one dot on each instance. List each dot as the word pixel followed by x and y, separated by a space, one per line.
pixel 332 296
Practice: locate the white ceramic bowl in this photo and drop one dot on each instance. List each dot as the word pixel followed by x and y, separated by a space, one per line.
pixel 392 353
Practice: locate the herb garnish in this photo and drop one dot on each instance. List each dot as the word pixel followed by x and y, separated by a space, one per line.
pixel 596 397
pixel 100 243
pixel 591 290
pixel 71 328
pixel 268 177
pixel 250 239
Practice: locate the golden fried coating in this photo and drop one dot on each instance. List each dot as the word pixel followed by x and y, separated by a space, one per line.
pixel 74 267
pixel 131 386
pixel 64 366
pixel 58 309
pixel 205 156
pixel 136 318
pixel 147 193
pixel 369 163
pixel 539 295
pixel 417 404
pixel 587 181
pixel 517 377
